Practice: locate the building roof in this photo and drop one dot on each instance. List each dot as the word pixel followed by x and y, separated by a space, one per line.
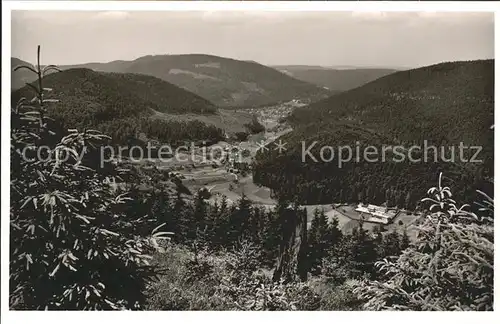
pixel 377 212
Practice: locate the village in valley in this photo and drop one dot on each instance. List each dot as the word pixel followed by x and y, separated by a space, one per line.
pixel 223 170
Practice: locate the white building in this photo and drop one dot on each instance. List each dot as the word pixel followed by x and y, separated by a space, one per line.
pixel 376 214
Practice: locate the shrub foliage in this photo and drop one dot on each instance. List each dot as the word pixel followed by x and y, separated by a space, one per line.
pixel 450 267
pixel 73 245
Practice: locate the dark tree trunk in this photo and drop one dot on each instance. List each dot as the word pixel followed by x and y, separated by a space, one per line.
pixel 291 265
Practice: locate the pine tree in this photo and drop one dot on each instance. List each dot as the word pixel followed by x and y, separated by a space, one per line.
pixel 270 237
pixel 379 239
pixel 255 225
pixel 239 220
pixel 222 226
pixel 322 238
pixel 335 234
pixel 181 211
pixel 363 250
pixel 197 230
pixel 313 241
pixel 408 201
pixel 405 241
pixel 391 244
pixel 161 210
pixel 212 221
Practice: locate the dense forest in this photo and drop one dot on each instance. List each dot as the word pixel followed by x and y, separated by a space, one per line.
pixel 441 105
pixel 447 102
pixel 122 105
pixel 122 93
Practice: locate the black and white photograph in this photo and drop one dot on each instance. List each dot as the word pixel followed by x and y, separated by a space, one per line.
pixel 248 158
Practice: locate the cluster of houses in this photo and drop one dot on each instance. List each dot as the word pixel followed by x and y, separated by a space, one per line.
pixel 230 159
pixel 270 115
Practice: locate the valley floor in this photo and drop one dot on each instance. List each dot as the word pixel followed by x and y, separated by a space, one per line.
pixel 222 183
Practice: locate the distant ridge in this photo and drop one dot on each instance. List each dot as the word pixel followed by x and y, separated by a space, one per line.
pixel 225 82
pixel 336 79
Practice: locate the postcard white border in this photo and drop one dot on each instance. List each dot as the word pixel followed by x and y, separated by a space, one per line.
pixel 209 317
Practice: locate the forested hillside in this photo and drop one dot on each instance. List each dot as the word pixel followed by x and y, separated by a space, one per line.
pixel 131 93
pixel 443 104
pixel 19 78
pixel 225 82
pixel 336 80
pixel 122 104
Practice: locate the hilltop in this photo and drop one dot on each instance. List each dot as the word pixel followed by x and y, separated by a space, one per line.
pixel 444 104
pixel 334 79
pixel 225 82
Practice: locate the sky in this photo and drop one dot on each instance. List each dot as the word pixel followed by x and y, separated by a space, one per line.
pixel 375 39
